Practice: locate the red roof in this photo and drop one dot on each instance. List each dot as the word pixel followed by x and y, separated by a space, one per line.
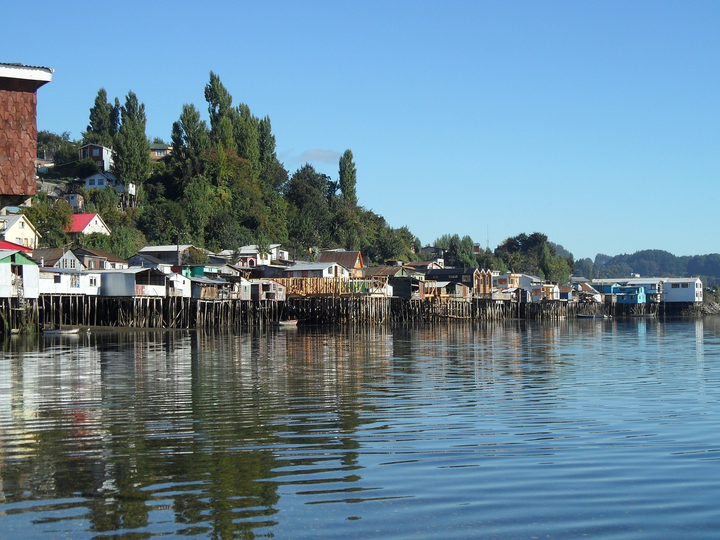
pixel 13 245
pixel 80 222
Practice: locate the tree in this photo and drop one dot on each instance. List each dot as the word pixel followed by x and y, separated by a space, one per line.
pixel 51 219
pixel 348 178
pixel 49 143
pixel 190 140
pixel 132 148
pixel 100 130
pixel 220 107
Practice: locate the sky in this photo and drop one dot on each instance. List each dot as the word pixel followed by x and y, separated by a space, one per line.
pixel 595 123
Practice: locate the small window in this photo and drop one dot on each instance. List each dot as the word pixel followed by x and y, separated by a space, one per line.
pixel 96 152
pixel 93 282
pixel 675 286
pixel 72 264
pixel 22 224
pixel 92 182
pixel 685 285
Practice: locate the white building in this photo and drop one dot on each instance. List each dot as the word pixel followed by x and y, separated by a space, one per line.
pixel 66 282
pixel 321 270
pixel 682 290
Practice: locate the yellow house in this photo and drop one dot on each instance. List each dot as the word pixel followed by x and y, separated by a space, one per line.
pixel 18 229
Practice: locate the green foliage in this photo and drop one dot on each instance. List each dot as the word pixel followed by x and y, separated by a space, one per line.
pixel 94 241
pixel 51 219
pixel 534 255
pixel 86 167
pixel 132 149
pixel 48 144
pixel 348 178
pixel 103 122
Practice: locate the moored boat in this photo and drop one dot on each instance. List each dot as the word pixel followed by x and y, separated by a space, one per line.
pixel 286 322
pixel 61 331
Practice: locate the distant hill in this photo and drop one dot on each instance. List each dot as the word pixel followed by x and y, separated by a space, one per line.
pixel 652 262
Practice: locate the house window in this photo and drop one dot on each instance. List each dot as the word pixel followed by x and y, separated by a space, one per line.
pixel 96 152
pixel 93 282
pixel 57 279
pixel 72 264
pixel 685 285
pixel 92 182
pixel 22 224
pixel 675 286
pixel 91 265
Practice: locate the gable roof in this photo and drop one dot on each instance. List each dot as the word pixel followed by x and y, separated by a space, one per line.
pixel 100 254
pixel 80 222
pixel 348 259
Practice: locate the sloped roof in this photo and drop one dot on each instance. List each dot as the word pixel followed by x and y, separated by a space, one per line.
pixel 384 270
pixel 4 244
pixel 101 254
pixel 80 222
pixel 348 259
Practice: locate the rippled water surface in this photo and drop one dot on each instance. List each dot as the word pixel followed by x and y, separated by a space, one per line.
pixel 576 429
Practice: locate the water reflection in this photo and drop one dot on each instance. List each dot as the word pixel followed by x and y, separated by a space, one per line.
pixel 222 435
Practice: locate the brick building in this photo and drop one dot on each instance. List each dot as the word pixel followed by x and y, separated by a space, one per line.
pixel 18 130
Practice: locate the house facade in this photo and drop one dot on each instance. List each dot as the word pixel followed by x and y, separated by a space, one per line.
pixel 682 290
pixel 87 224
pixel 101 155
pixel 352 260
pixel 317 270
pixel 68 282
pixel 17 228
pixel 97 259
pixel 57 258
pixel 18 126
pixel 18 275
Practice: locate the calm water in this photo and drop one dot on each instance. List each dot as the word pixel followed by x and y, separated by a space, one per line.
pixel 600 429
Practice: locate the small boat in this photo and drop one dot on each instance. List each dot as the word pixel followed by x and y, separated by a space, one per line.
pixel 591 316
pixel 61 331
pixel 286 322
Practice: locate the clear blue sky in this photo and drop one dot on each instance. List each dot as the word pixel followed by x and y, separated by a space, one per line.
pixel 596 123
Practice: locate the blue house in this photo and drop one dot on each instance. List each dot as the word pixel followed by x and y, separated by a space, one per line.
pixel 630 295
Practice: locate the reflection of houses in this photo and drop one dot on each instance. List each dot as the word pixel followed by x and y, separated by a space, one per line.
pixel 18 275
pixel 17 228
pixel 57 258
pixel 352 260
pixel 68 282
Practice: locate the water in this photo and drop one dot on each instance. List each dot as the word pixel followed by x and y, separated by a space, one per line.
pixel 577 429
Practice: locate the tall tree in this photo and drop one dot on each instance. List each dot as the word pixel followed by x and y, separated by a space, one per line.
pixel 100 130
pixel 132 148
pixel 221 113
pixel 190 140
pixel 348 178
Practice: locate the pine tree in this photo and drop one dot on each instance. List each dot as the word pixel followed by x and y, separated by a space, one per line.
pixel 348 178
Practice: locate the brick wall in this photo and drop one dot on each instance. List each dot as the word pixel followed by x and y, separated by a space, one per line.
pixel 18 137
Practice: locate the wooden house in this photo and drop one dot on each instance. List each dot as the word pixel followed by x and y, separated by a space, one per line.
pixel 205 288
pixel 404 284
pixel 352 260
pixel 682 290
pixel 18 275
pixel 478 281
pixel 101 155
pixel 265 289
pixel 97 259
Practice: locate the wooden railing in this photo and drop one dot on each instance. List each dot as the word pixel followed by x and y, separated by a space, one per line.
pixel 331 286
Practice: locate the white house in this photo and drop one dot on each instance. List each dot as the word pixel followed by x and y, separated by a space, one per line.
pixel 249 256
pixel 317 269
pixel 57 258
pixel 60 281
pixel 682 290
pixel 103 179
pixel 17 228
pixel 18 275
pixel 87 224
